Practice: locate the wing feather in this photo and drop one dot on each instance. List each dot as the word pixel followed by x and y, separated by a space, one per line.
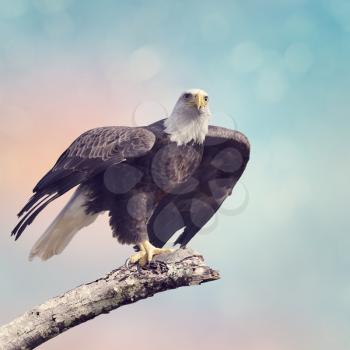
pixel 91 153
pixel 222 147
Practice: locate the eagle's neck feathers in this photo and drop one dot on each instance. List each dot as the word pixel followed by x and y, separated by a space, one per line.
pixel 184 127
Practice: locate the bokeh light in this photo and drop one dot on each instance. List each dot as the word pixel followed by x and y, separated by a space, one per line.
pixel 144 64
pixel 271 85
pixel 298 58
pixel 246 57
pixel 148 112
pixel 278 71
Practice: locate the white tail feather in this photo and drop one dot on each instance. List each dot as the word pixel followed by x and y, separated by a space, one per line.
pixel 69 221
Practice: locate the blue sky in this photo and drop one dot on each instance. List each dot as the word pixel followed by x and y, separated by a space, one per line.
pixel 277 71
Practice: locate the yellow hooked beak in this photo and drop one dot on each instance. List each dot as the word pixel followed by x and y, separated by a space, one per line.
pixel 199 101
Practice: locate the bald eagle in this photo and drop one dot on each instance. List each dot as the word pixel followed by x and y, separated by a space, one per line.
pixel 153 181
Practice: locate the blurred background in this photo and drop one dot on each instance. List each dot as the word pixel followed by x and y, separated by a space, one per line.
pixel 277 70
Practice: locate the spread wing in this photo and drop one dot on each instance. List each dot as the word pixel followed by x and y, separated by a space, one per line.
pixel 89 154
pixel 225 157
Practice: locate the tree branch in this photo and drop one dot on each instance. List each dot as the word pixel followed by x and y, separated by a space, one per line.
pixel 123 286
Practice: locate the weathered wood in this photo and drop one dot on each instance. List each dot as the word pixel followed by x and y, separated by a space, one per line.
pixel 123 286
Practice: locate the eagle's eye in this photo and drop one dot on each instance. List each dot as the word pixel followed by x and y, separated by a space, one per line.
pixel 206 98
pixel 187 95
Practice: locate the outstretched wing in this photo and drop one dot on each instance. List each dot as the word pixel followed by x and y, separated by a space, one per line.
pixel 225 157
pixel 89 154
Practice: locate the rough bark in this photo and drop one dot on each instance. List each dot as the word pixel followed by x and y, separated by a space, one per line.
pixel 123 286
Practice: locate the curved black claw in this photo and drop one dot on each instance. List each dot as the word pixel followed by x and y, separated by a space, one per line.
pixel 127 263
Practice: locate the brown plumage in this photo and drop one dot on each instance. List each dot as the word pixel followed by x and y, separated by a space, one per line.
pixel 150 185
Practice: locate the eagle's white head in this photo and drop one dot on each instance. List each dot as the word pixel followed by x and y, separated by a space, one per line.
pixel 189 119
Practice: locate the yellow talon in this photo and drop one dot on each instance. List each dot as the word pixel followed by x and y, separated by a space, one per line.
pixel 147 252
pixel 137 257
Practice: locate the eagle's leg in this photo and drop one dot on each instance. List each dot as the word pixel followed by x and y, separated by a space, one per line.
pixel 147 252
pixel 151 250
pixel 140 256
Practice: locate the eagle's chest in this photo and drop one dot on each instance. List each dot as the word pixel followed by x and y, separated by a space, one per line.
pixel 171 165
